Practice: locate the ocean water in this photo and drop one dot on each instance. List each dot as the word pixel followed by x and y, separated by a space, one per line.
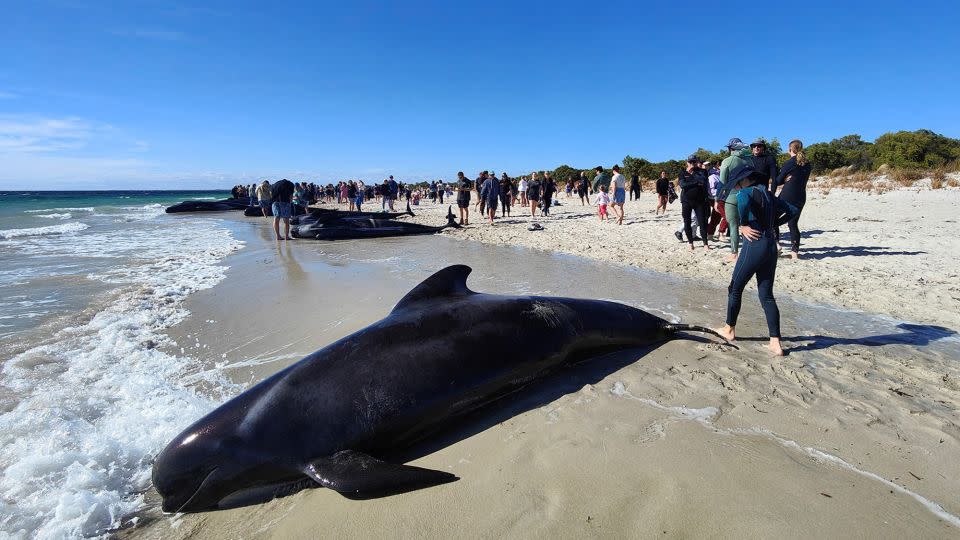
pixel 88 283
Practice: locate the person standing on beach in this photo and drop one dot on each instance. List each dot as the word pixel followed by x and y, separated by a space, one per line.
pixel 282 196
pixel 635 187
pixel 361 189
pixel 760 214
pixel 385 196
pixel 522 188
pixel 619 185
pixel 764 163
pixel 713 185
pixel 506 195
pixel 693 198
pixel 490 193
pixel 663 190
pixel 352 195
pixel 441 191
pixel 394 189
pixel 464 187
pixel 602 201
pixel 793 181
pixel 583 188
pixel 733 169
pixel 548 189
pixel 263 195
pixel 533 194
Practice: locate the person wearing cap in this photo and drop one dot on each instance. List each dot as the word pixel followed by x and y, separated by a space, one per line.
pixel 760 214
pixel 693 198
pixel 732 169
pixel 764 163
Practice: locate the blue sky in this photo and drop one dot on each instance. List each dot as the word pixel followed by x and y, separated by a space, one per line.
pixel 157 94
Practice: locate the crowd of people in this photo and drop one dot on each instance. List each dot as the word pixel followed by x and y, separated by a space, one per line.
pixel 733 201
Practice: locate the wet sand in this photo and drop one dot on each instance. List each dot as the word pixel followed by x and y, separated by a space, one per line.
pixel 855 430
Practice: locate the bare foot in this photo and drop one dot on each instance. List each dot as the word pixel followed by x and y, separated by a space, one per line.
pixel 726 331
pixel 289 238
pixel 794 255
pixel 691 247
pixel 775 347
pixel 732 257
pixel 707 247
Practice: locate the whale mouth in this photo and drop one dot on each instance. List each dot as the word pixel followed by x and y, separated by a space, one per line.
pixel 173 505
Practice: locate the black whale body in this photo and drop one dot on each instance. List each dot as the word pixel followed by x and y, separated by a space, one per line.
pixel 324 226
pixel 209 206
pixel 256 211
pixel 329 420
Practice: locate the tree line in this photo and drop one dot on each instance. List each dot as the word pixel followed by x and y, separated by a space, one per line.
pixel 920 149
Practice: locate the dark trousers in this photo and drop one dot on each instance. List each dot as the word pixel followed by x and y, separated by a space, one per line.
pixel 715 216
pixel 505 200
pixel 700 209
pixel 547 201
pixel 756 258
pixel 794 225
pixel 634 192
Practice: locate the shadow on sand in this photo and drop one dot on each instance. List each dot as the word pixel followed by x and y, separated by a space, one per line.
pixel 918 335
pixel 851 251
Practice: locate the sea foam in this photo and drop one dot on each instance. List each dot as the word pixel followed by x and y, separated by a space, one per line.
pixel 84 415
pixel 65 228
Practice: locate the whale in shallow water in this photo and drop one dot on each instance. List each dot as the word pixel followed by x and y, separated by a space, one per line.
pixel 335 418
pixel 209 206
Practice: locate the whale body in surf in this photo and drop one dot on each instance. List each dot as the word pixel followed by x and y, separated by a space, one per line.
pixel 209 206
pixel 336 417
pixel 325 226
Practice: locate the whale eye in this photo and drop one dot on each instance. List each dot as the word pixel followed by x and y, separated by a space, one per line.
pixel 188 439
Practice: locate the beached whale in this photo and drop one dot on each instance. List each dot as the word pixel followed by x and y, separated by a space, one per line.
pixel 209 206
pixel 334 418
pixel 335 227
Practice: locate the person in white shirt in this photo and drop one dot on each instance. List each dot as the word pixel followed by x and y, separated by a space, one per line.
pixel 619 185
pixel 522 192
pixel 602 201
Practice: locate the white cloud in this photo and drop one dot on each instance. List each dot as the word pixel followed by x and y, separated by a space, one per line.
pixel 20 133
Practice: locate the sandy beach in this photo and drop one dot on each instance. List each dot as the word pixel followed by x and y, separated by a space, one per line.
pixel 853 433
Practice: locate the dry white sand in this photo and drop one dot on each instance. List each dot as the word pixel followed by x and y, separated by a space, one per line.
pixel 839 438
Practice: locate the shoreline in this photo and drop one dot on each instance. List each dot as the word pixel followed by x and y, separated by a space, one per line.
pixel 889 257
pixel 651 457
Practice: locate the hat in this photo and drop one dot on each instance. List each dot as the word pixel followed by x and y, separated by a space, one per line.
pixel 735 144
pixel 758 142
pixel 693 158
pixel 706 162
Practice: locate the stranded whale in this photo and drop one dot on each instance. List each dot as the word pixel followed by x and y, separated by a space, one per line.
pixel 333 418
pixel 325 226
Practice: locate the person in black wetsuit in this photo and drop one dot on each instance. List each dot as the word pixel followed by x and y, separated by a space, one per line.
pixel 693 198
pixel 635 187
pixel 506 195
pixel 793 180
pixel 760 215
pixel 763 163
pixel 464 187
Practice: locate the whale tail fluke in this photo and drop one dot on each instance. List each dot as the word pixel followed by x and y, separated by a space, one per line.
pixel 356 475
pixel 451 219
pixel 672 328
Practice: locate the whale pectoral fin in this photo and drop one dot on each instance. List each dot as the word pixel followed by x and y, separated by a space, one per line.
pixel 356 475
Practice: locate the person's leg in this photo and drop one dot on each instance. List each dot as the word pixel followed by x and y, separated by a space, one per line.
pixel 733 219
pixel 742 272
pixel 701 211
pixel 721 209
pixel 766 272
pixel 685 210
pixel 794 225
pixel 276 226
pixel 286 228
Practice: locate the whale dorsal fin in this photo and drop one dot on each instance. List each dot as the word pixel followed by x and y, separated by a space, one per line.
pixel 450 281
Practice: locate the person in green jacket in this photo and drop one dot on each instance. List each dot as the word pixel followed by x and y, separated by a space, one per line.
pixel 739 160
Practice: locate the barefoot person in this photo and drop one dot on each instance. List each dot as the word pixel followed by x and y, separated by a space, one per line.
pixel 663 190
pixel 490 194
pixel 583 188
pixel 732 169
pixel 282 197
pixel 760 215
pixel 533 193
pixel 793 180
pixel 463 188
pixel 619 185
pixel 264 196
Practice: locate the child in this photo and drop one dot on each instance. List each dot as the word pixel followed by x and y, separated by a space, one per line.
pixel 602 201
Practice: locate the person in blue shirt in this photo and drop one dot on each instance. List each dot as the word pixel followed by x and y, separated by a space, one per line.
pixel 760 215
pixel 490 193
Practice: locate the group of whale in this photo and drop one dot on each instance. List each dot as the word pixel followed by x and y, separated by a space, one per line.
pixel 340 417
pixel 327 224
